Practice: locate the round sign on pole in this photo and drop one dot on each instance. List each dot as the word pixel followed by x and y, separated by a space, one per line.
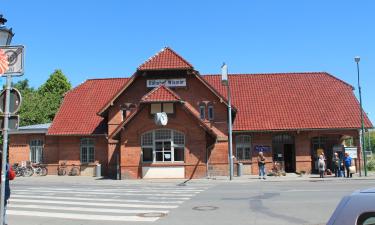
pixel 15 101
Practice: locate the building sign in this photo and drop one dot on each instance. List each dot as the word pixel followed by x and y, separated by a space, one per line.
pixel 263 148
pixel 15 59
pixel 352 151
pixel 180 82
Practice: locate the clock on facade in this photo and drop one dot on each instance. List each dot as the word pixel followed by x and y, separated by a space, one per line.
pixel 161 118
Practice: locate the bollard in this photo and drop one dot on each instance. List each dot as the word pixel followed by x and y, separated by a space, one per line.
pixel 98 170
pixel 239 169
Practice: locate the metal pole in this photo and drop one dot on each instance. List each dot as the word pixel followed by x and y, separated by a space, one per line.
pixel 5 146
pixel 362 125
pixel 230 133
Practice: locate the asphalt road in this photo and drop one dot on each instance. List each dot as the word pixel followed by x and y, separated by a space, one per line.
pixel 81 201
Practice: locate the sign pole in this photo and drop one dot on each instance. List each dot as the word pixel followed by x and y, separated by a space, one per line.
pixel 5 146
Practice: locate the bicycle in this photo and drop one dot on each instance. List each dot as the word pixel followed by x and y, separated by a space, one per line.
pixel 22 170
pixel 61 170
pixel 74 171
pixel 39 169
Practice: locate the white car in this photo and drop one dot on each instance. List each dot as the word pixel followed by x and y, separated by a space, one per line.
pixel 355 209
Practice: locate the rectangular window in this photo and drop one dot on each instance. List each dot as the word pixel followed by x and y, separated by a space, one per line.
pixel 168 108
pixel 243 147
pixel 155 108
pixel 87 150
pixel 210 112
pixel 147 155
pixel 36 151
pixel 202 110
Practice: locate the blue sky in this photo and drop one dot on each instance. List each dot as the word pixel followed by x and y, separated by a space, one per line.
pixel 98 39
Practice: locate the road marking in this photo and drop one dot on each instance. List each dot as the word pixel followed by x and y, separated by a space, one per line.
pixel 14 196
pixel 107 193
pixel 171 191
pixel 82 216
pixel 98 204
pixel 84 209
pixel 168 198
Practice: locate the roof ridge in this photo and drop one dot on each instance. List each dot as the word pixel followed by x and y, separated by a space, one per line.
pixel 109 78
pixel 166 48
pixel 277 73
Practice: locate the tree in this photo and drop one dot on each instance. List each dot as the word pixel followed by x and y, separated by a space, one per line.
pixel 40 106
pixel 57 84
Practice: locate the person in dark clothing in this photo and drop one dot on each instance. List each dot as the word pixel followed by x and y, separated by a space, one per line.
pixel 336 164
pixel 348 163
pixel 10 175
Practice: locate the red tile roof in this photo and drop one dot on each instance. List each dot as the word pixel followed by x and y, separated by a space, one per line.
pixel 166 59
pixel 291 101
pixel 77 114
pixel 161 94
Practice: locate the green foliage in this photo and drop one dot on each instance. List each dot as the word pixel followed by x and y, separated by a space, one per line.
pixel 371 164
pixel 57 84
pixel 40 106
pixel 372 141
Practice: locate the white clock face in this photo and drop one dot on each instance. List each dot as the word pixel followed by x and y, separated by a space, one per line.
pixel 163 119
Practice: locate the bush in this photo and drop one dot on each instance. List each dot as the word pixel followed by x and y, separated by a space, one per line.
pixel 371 164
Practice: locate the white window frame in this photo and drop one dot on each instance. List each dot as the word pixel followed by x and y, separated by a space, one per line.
pixel 90 144
pixel 36 151
pixel 211 115
pixel 173 145
pixel 241 145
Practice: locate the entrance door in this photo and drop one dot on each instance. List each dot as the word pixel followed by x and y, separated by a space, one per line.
pixel 289 158
pixel 284 151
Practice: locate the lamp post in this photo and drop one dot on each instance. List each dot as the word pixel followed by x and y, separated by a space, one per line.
pixel 225 82
pixel 5 39
pixel 362 137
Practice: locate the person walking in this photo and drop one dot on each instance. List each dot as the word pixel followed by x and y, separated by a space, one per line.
pixel 348 164
pixel 261 166
pixel 321 166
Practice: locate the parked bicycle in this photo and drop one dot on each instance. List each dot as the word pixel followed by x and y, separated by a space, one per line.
pixel 39 169
pixel 22 170
pixel 74 171
pixel 62 169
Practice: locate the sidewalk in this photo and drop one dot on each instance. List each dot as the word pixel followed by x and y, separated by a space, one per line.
pixel 243 179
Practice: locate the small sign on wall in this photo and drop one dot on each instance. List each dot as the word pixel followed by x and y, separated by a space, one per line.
pixel 180 82
pixel 263 148
pixel 352 151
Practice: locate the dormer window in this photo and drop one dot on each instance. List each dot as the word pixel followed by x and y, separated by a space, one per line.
pixel 162 107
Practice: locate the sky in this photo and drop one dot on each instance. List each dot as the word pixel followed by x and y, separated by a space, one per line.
pixel 101 39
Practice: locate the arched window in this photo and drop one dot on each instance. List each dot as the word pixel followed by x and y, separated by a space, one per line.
pixel 243 147
pixel 163 145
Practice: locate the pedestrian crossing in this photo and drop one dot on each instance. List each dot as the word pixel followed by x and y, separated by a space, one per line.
pixel 130 203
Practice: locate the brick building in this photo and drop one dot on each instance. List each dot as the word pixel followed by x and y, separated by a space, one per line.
pixel 288 116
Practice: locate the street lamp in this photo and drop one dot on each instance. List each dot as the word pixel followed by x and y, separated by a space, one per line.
pixel 225 82
pixel 5 33
pixel 5 38
pixel 362 138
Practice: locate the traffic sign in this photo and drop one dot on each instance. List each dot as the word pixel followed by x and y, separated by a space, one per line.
pixel 13 123
pixel 15 58
pixel 15 101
